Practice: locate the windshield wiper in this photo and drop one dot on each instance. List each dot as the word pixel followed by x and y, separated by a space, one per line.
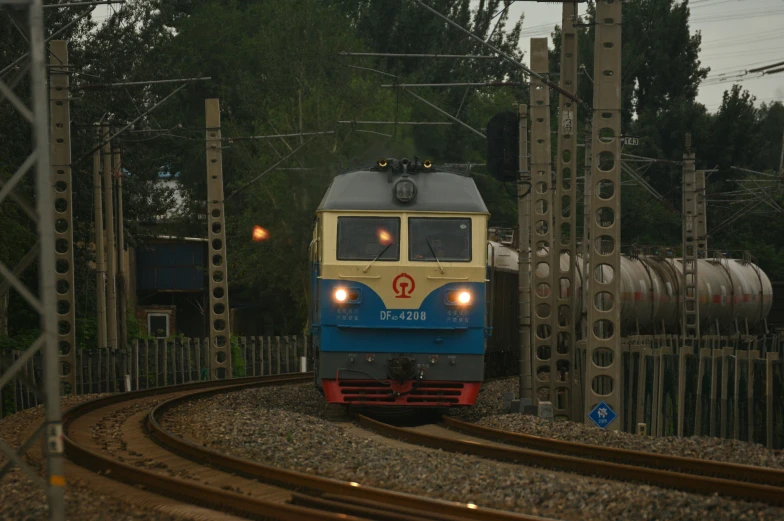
pixel 435 256
pixel 377 257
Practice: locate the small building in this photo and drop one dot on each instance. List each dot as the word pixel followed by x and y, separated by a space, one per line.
pixel 168 276
pixel 171 286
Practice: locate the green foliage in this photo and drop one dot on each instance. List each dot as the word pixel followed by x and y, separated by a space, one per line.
pixel 19 341
pixel 136 329
pixel 237 361
pixel 276 68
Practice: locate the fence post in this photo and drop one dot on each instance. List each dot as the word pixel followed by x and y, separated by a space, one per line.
pixel 277 354
pixel 182 349
pixel 642 384
pixel 704 352
pixel 208 358
pixel 287 339
pixel 684 351
pixel 628 383
pixel 135 351
pixel 260 341
pixel 770 358
pixel 103 370
pixel 754 354
pixel 78 387
pixel 269 355
pixel 90 369
pixel 739 355
pixel 303 360
pixel 188 368
pixel 244 347
pixel 146 364
pixel 197 356
pixel 172 346
pixel 725 376
pixel 657 360
pixel 157 362
pixel 252 357
pixel 308 348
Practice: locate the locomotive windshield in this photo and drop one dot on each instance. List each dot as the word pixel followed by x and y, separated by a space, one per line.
pixel 445 239
pixel 366 238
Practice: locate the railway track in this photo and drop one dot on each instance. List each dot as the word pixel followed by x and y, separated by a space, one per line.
pixel 757 484
pixel 148 456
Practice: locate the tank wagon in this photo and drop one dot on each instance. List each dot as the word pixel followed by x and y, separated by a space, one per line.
pixel 398 280
pixel 735 295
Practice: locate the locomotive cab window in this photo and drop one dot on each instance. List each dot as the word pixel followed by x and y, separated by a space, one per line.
pixel 365 238
pixel 445 239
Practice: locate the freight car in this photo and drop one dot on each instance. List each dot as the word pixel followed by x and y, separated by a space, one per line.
pixel 399 267
pixel 735 295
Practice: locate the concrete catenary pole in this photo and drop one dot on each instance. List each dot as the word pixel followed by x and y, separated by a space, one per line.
pixel 603 346
pixel 100 253
pixel 690 305
pixel 122 287
pixel 220 334
pixel 111 256
pixel 702 215
pixel 586 265
pixel 543 259
pixel 60 150
pixel 564 207
pixel 524 257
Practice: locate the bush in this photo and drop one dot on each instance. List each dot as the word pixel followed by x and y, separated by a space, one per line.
pixel 237 360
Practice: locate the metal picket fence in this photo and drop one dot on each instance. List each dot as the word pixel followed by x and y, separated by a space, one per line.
pixel 728 387
pixel 155 363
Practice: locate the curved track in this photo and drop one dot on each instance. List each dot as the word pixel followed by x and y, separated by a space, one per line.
pixel 749 483
pixel 148 456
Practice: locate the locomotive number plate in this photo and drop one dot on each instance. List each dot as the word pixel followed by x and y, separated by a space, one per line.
pixel 404 315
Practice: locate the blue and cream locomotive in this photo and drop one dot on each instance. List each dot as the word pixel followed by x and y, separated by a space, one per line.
pixel 398 307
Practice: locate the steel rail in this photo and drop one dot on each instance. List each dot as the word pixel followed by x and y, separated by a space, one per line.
pixel 400 502
pixel 189 491
pixel 762 475
pixel 773 495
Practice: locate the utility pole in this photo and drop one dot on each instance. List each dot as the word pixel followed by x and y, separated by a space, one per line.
pixel 524 259
pixel 122 288
pixel 220 333
pixel 603 346
pixel 690 305
pixel 702 215
pixel 111 256
pixel 60 145
pixel 100 254
pixel 544 261
pixel 565 231
pixel 44 300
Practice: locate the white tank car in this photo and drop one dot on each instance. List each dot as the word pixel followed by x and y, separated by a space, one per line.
pixel 731 291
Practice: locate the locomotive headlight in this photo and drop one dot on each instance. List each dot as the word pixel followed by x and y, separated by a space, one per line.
pixel 341 295
pixel 405 190
pixel 458 298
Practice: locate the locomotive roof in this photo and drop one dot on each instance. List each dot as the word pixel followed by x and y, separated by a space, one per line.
pixel 436 192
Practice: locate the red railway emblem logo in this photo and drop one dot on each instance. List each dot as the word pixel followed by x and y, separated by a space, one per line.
pixel 403 285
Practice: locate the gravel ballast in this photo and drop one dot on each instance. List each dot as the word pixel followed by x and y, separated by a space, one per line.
pixel 702 447
pixel 490 414
pixel 288 427
pixel 21 500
